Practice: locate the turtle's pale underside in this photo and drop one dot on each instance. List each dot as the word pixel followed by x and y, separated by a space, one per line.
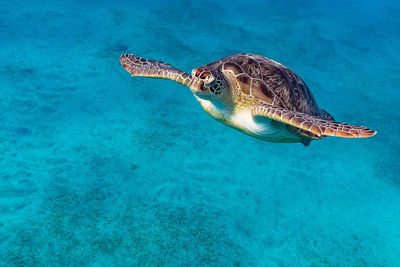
pixel 254 95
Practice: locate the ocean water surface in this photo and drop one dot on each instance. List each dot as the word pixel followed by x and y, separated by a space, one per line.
pixel 101 169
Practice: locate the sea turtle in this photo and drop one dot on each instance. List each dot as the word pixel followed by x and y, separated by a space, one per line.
pixel 255 95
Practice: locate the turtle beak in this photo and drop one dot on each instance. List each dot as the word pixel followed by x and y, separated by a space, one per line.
pixel 196 84
pixel 198 89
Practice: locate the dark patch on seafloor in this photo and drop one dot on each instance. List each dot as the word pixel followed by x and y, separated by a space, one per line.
pixel 70 226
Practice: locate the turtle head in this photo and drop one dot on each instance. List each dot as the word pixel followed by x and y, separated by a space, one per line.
pixel 208 84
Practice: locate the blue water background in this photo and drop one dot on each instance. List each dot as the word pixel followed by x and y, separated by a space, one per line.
pixel 99 168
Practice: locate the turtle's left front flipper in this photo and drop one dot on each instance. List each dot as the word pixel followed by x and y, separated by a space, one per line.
pixel 310 123
pixel 151 68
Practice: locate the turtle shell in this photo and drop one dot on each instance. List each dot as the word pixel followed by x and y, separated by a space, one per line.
pixel 269 81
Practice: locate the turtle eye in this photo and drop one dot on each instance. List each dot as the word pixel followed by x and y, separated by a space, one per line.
pixel 209 78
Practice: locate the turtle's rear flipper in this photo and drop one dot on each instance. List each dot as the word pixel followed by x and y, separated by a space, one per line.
pixel 305 142
pixel 312 124
pixel 325 115
pixel 151 68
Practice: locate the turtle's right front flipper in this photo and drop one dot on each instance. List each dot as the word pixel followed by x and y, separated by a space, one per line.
pixel 151 68
pixel 311 123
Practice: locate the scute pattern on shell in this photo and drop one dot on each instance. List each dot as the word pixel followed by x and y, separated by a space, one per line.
pixel 269 81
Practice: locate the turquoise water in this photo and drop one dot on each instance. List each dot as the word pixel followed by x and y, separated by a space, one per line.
pixel 98 168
